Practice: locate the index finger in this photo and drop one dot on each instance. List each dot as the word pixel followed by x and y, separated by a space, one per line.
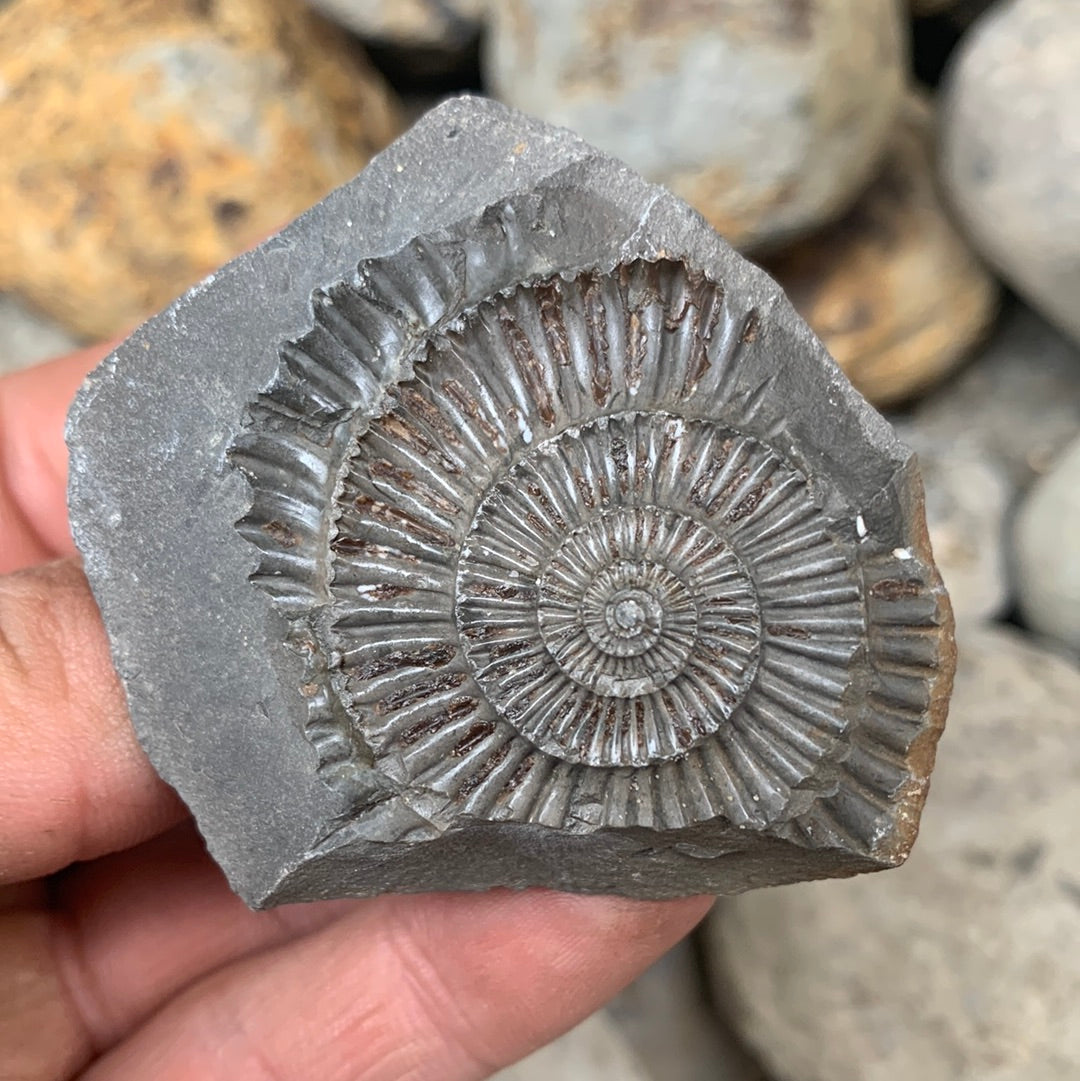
pixel 33 459
pixel 73 782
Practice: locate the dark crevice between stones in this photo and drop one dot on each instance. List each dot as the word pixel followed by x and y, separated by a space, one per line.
pixel 430 70
pixel 933 40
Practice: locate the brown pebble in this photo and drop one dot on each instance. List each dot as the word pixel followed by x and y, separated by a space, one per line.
pixel 893 289
pixel 148 143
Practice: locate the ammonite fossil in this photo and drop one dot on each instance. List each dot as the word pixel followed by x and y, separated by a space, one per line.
pixel 511 529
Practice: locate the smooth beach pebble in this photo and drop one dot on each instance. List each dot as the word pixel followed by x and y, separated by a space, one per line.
pixel 957 967
pixel 1011 149
pixel 768 116
pixel 893 289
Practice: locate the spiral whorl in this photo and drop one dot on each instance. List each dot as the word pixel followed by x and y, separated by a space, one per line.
pixel 571 577
pixel 623 632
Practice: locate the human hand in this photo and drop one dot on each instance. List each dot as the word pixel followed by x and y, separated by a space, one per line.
pixel 123 954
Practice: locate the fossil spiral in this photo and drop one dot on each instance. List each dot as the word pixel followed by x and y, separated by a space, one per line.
pixel 560 574
pixel 497 524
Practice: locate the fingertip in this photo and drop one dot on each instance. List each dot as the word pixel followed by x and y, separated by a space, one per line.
pixel 611 921
pixel 532 963
pixel 614 915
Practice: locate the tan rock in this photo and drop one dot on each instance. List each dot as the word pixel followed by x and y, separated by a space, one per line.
pixel 146 143
pixel 893 289
pixel 769 116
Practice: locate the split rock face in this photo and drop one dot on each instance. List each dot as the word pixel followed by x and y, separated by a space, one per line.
pixel 508 528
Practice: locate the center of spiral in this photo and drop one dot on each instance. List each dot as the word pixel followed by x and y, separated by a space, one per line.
pixel 623 629
pixel 627 615
pixel 614 634
pixel 622 611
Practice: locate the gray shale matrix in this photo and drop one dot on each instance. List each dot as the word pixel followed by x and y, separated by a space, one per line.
pixel 497 524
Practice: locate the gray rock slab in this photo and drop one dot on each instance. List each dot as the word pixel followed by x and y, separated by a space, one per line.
pixel 497 524
pixel 965 964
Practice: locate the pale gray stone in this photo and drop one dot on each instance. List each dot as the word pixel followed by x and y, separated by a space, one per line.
pixel 1047 552
pixel 982 440
pixel 769 117
pixel 1016 404
pixel 666 1017
pixel 593 1051
pixel 1011 149
pixel 965 964
pixel 503 526
pixel 27 338
pixel 969 497
pixel 423 23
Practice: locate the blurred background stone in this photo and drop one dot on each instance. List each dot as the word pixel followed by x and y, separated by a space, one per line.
pixel 594 1051
pixel 661 1028
pixel 147 143
pixel 1017 404
pixel 935 34
pixel 893 289
pixel 665 1016
pixel 769 116
pixel 421 46
pixel 1011 148
pixel 1047 553
pixel 961 966
pixel 418 23
pixel 26 337
pixel 968 499
pixel 982 439
pixel 962 11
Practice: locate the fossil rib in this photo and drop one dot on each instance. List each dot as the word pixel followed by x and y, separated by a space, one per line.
pixel 540 543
